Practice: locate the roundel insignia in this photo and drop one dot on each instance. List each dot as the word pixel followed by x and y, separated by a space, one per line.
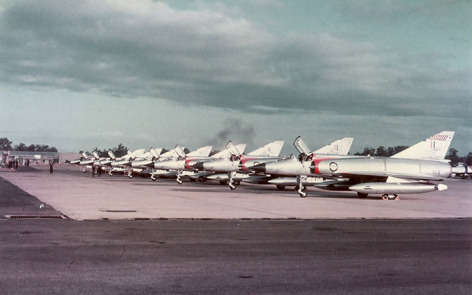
pixel 333 166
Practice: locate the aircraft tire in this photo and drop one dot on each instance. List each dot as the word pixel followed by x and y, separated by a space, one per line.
pixel 280 187
pixel 302 192
pixel 390 197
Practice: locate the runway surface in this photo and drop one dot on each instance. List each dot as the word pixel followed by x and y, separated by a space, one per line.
pixel 213 255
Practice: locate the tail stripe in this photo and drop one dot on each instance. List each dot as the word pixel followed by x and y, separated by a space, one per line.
pixel 439 137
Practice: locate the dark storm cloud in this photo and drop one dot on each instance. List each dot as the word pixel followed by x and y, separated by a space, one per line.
pixel 207 58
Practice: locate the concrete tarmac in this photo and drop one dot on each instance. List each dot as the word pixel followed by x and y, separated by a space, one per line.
pixel 412 256
pixel 217 255
pixel 82 197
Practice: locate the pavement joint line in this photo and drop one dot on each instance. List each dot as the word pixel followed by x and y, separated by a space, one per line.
pixel 118 211
pixel 35 217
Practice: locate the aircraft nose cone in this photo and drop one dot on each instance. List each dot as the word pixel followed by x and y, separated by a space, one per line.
pixel 198 166
pixel 259 168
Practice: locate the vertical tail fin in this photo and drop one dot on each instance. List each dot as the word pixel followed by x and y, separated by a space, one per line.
pixel 432 148
pixel 338 147
pixel 156 152
pixel 226 153
pixel 269 150
pixel 203 151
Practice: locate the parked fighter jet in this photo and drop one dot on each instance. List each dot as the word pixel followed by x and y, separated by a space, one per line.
pixel 461 170
pixel 183 161
pixel 339 147
pixel 410 171
pixel 176 153
pixel 240 163
pixel 125 163
pixel 143 163
pixel 90 161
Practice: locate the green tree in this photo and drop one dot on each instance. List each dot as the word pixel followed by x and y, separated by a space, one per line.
pixel 5 144
pixel 381 152
pixel 453 156
pixel 367 151
pixel 20 147
pixel 468 159
pixel 120 151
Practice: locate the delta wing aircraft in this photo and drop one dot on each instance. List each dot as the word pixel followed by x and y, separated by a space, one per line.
pixel 339 147
pixel 143 164
pixel 124 164
pixel 183 161
pixel 240 163
pixel 197 166
pixel 461 170
pixel 90 161
pixel 176 153
pixel 410 171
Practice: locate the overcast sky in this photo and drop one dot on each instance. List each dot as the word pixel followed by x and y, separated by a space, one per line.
pixel 83 74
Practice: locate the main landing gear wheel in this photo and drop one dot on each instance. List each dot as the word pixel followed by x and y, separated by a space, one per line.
pixel 362 195
pixel 390 197
pixel 302 192
pixel 280 187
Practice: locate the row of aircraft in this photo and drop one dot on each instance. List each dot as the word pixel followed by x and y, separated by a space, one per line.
pixel 416 169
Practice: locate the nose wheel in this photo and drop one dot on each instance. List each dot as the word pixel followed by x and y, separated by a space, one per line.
pixel 302 191
pixel 301 188
pixel 231 182
pixel 179 173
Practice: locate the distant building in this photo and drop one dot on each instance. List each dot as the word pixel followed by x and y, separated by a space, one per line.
pixel 33 157
pixel 64 157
